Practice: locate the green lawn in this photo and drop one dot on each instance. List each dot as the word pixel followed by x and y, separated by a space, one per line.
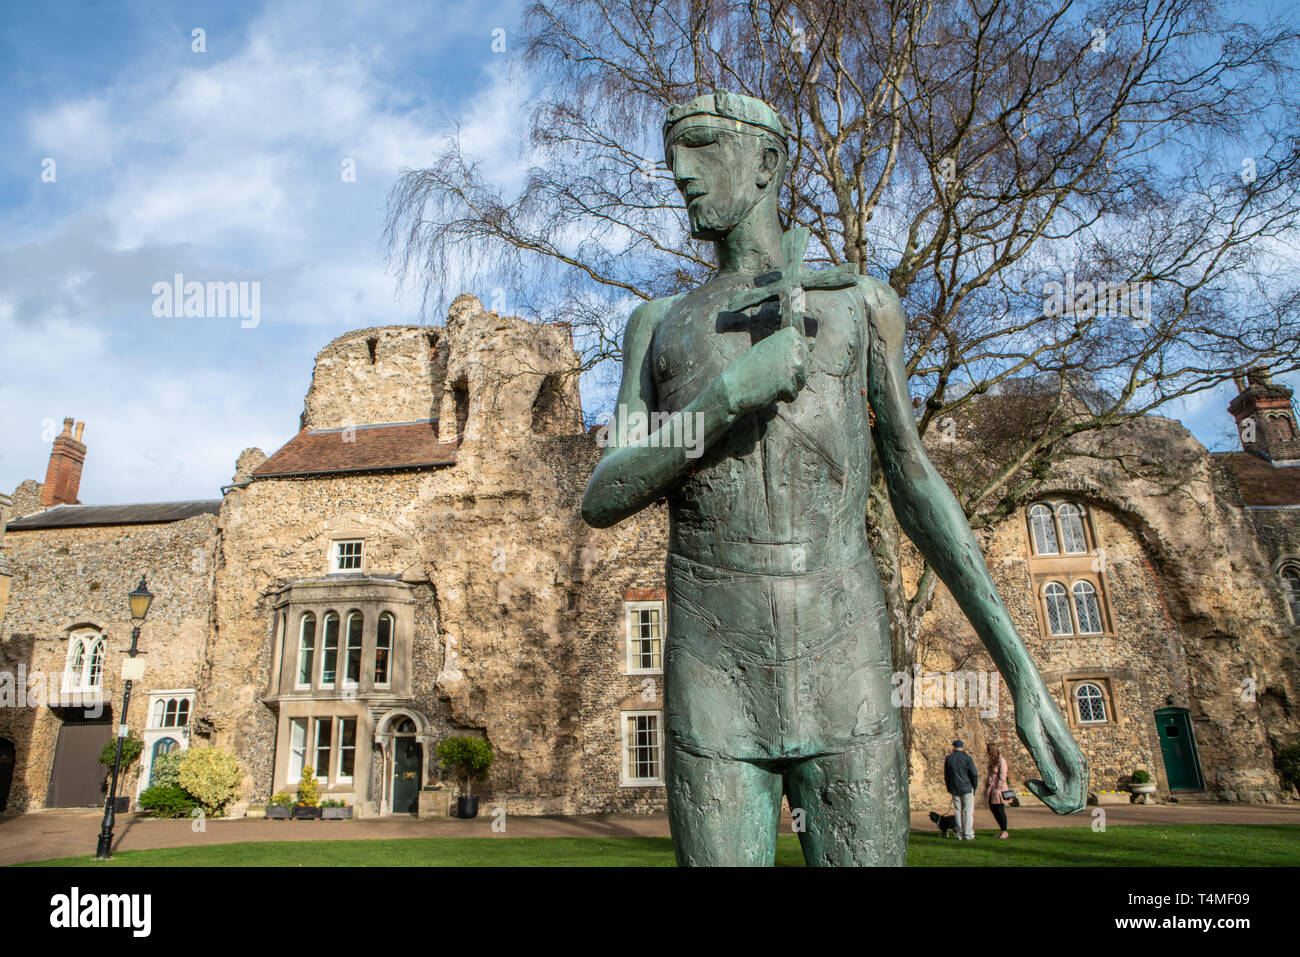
pixel 1183 845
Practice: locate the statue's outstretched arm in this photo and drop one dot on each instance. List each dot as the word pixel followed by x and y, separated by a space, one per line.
pixel 932 518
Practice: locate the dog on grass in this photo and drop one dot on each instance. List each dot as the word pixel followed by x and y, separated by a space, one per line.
pixel 947 823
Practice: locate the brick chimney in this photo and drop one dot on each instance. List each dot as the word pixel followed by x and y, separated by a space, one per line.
pixel 1266 419
pixel 63 477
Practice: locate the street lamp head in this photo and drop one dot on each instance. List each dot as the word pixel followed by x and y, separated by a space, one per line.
pixel 141 599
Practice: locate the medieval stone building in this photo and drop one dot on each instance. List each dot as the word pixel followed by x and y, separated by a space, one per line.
pixel 412 564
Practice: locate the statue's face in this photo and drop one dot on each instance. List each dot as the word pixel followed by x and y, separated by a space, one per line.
pixel 718 174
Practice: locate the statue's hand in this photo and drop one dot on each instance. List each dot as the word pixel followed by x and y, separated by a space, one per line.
pixel 1064 787
pixel 774 368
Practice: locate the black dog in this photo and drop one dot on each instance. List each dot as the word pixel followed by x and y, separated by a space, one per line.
pixel 946 822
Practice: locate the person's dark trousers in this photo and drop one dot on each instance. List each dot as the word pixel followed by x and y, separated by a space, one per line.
pixel 1000 814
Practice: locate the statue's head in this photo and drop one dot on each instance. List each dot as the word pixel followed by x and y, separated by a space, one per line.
pixel 728 153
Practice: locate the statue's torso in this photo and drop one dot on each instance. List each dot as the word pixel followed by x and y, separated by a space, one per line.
pixel 785 490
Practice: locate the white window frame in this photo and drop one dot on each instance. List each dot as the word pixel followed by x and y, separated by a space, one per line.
pixel 324 647
pixel 322 776
pixel 336 556
pixel 164 700
pixel 316 632
pixel 631 613
pixel 625 754
pixel 85 643
pixel 356 733
pixel 391 649
pixel 1078 514
pixel 1101 692
pixel 297 749
pixel 346 646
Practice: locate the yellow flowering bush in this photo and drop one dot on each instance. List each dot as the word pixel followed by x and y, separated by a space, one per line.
pixel 210 776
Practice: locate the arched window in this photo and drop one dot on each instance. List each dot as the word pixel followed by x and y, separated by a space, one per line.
pixel 352 668
pixel 330 650
pixel 1073 538
pixel 159 709
pixel 1044 530
pixel 1058 609
pixel 384 650
pixel 1291 588
pixel 76 661
pixel 1090 702
pixel 306 649
pixel 1086 608
pixel 85 663
pixel 95 666
pixel 163 746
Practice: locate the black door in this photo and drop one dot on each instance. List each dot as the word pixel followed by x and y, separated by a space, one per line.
pixel 6 770
pixel 407 762
pixel 77 779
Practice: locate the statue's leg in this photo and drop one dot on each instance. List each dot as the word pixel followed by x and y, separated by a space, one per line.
pixel 722 812
pixel 855 805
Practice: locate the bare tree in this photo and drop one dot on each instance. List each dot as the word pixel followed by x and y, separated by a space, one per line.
pixel 1138 155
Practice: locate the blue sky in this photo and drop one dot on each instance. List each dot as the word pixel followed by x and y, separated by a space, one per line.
pixel 223 165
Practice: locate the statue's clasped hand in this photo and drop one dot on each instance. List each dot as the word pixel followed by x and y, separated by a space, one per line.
pixel 774 368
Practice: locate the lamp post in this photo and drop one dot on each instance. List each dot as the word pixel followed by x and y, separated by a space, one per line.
pixel 141 599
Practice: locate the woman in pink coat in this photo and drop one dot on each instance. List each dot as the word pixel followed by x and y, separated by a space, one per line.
pixel 997 783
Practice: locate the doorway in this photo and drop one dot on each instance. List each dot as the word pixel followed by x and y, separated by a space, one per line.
pixel 1178 748
pixel 77 778
pixel 408 762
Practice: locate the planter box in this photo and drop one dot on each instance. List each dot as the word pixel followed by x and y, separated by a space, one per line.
pixel 336 813
pixel 306 813
pixel 280 813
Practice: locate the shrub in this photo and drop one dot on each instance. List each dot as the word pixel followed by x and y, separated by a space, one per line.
pixel 1141 777
pixel 330 802
pixel 166 769
pixel 1288 763
pixel 211 776
pixel 471 757
pixel 167 801
pixel 283 799
pixel 131 748
pixel 308 789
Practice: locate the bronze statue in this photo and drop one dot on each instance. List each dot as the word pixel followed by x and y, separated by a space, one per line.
pixel 777 655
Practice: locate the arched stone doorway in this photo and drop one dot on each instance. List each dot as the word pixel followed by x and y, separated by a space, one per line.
pixel 403 737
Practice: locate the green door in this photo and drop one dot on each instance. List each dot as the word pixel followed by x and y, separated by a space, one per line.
pixel 1178 748
pixel 406 775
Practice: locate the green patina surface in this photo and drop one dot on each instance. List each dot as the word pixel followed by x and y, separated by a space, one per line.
pixel 777 656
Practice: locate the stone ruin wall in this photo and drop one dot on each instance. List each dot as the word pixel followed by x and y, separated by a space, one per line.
pixel 484 536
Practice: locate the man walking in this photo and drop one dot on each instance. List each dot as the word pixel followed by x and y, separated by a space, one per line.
pixel 960 777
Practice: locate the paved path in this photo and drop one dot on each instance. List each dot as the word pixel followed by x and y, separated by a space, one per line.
pixel 70 832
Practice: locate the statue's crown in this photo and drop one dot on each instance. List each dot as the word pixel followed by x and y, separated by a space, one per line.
pixel 740 109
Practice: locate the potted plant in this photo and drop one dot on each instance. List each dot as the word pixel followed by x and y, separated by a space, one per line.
pixel 280 807
pixel 332 810
pixel 308 808
pixel 1141 783
pixel 470 758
